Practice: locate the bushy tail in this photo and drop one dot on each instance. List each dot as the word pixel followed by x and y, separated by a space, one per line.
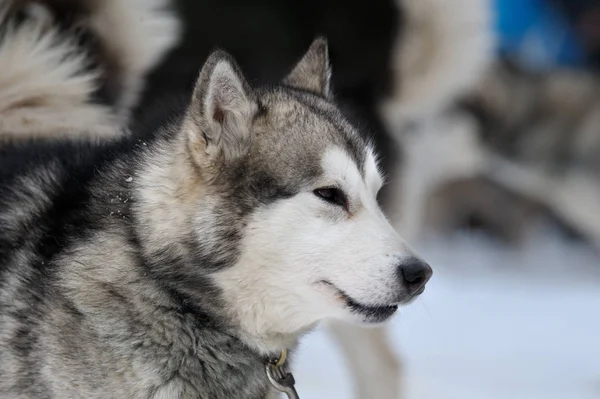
pixel 47 80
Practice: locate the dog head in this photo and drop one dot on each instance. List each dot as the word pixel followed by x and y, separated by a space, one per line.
pixel 287 223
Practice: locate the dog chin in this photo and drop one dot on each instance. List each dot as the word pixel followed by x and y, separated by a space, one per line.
pixel 362 313
pixel 373 314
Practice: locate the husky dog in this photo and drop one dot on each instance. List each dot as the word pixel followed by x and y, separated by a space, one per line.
pixel 75 68
pixel 395 62
pixel 175 262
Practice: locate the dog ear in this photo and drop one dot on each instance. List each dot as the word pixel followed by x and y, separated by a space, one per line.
pixel 221 111
pixel 313 72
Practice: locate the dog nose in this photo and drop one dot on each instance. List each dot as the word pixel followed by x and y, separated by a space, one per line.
pixel 414 273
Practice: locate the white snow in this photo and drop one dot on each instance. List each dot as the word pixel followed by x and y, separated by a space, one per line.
pixel 493 323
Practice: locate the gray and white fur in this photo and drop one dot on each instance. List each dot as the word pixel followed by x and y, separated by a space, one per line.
pixel 173 262
pixel 437 55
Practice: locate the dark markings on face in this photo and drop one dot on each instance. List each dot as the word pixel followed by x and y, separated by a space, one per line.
pixel 288 150
pixel 348 140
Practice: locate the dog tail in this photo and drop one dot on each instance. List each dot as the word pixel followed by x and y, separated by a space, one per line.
pixel 53 77
pixel 444 47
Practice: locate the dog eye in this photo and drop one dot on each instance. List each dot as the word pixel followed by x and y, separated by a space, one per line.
pixel 333 196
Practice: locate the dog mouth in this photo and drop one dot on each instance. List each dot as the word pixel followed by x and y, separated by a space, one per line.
pixel 371 314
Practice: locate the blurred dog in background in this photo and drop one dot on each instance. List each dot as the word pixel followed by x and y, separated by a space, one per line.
pixel 531 139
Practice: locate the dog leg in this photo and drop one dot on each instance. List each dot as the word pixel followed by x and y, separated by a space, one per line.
pixel 372 361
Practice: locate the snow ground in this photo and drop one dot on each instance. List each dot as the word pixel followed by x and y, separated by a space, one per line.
pixel 492 324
